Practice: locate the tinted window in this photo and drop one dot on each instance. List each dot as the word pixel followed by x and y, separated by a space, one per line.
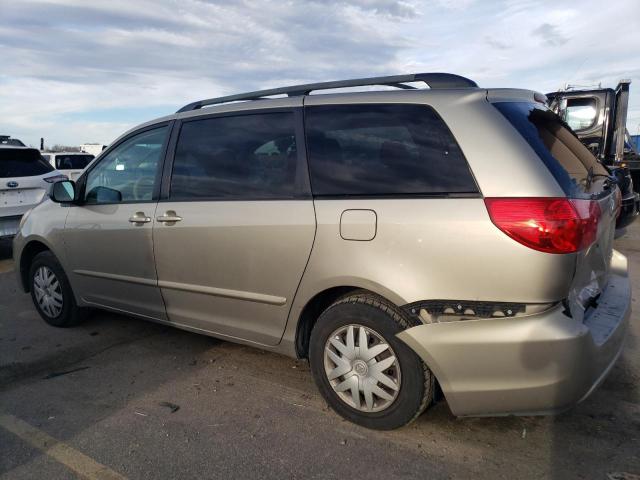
pixel 383 150
pixel 565 156
pixel 248 156
pixel 128 172
pixel 19 162
pixel 73 162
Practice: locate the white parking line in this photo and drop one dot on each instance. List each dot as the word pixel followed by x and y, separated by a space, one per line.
pixel 71 458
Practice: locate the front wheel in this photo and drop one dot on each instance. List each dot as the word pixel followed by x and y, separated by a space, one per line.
pixel 51 292
pixel 361 368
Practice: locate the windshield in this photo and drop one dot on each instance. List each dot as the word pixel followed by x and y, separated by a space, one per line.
pixel 72 162
pixel 22 163
pixel 580 113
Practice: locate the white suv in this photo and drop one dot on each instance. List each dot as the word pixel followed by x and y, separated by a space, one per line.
pixel 25 178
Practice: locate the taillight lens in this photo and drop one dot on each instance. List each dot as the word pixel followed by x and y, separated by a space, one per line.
pixel 55 178
pixel 552 225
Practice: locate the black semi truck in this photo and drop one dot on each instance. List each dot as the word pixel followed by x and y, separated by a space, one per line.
pixel 598 116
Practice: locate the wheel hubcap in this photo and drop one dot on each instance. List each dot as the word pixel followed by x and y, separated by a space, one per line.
pixel 362 368
pixel 48 292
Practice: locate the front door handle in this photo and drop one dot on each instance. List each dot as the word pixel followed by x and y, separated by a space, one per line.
pixel 170 217
pixel 139 218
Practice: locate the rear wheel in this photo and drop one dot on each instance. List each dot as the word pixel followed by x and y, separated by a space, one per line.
pixel 51 292
pixel 361 368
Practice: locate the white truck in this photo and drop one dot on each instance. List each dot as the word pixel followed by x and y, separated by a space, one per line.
pixel 93 148
pixel 72 164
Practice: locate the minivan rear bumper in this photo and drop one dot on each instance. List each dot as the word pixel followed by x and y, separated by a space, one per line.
pixel 537 364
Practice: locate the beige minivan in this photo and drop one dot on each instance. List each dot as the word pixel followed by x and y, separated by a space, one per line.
pixel 404 241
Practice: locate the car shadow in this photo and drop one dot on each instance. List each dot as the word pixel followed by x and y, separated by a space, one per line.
pixel 6 250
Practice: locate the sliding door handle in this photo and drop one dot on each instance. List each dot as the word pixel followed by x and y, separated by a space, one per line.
pixel 139 218
pixel 170 217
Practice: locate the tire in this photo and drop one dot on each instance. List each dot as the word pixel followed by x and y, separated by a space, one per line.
pixel 46 277
pixel 409 381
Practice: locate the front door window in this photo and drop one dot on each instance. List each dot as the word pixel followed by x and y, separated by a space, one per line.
pixel 128 172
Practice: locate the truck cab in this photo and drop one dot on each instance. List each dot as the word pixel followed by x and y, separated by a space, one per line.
pixel 598 118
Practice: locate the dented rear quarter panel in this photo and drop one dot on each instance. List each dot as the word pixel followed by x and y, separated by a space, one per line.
pixel 443 248
pixel 427 249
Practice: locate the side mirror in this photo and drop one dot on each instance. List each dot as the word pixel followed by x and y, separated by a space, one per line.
pixel 63 191
pixel 100 194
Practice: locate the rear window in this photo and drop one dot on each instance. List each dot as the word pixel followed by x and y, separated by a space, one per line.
pixel 389 149
pixel 560 150
pixel 72 162
pixel 22 163
pixel 4 140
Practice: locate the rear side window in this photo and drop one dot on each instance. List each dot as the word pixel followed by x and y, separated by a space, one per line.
pixel 250 156
pixel 389 149
pixel 72 162
pixel 22 163
pixel 568 160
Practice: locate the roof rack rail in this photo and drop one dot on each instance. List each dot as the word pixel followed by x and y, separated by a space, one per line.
pixel 433 80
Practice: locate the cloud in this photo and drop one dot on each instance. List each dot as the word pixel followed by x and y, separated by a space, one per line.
pixel 496 43
pixel 76 71
pixel 550 35
pixel 394 9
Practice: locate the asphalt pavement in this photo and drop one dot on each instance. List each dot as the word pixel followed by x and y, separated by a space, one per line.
pixel 120 398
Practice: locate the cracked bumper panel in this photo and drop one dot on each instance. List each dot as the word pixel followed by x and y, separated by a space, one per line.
pixel 529 365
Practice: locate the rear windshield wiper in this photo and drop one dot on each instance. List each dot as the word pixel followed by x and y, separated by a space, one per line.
pixel 591 176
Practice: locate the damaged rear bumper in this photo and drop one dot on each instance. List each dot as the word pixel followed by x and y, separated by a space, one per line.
pixel 535 364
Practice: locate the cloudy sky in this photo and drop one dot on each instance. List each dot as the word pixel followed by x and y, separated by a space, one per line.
pixel 77 71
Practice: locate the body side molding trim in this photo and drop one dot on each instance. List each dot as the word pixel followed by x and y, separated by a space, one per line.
pixel 187 287
pixel 116 277
pixel 224 292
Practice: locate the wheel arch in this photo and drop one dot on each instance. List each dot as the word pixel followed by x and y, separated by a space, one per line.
pixel 28 253
pixel 317 304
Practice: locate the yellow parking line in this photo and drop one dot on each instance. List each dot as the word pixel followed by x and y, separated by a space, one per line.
pixel 6 266
pixel 71 458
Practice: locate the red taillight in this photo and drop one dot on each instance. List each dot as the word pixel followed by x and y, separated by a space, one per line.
pixel 552 225
pixel 55 178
